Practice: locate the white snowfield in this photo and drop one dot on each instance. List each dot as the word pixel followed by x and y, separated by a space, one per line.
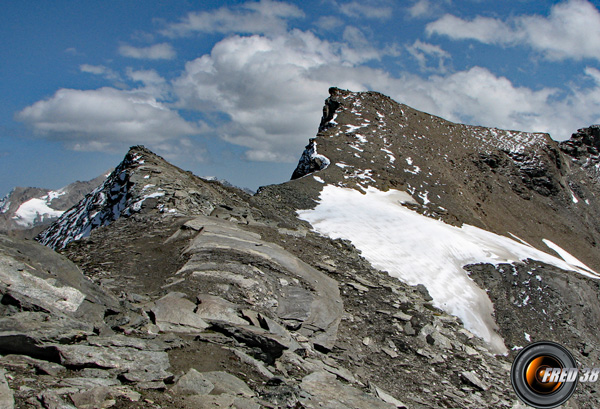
pixel 420 250
pixel 36 210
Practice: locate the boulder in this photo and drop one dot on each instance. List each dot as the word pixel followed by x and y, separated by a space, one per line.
pixel 213 308
pixel 175 313
pixel 193 383
pixel 326 391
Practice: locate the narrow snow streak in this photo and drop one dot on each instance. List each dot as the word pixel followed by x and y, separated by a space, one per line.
pixel 420 250
pixel 569 258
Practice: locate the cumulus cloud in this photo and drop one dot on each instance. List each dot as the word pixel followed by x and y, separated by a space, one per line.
pixel 105 119
pixel 267 90
pixel 266 86
pixel 270 87
pixel 423 52
pixel 154 84
pixel 571 31
pixel 271 91
pixel 477 96
pixel 249 18
pixel 162 51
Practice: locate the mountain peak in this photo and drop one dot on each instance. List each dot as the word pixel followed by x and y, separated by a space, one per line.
pixel 143 182
pixel 504 181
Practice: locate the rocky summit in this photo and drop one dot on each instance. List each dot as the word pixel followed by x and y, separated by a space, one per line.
pixel 405 264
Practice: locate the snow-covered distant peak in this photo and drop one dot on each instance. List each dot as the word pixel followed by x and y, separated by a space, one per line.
pixel 420 250
pixel 54 194
pixel 35 211
pixel 38 210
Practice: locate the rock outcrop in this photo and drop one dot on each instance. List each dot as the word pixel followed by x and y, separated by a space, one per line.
pixel 143 182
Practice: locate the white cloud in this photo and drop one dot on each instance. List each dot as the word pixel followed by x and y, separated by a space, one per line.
pixel 154 84
pixel 484 29
pixel 148 77
pixel 250 18
pixel 593 73
pixel 367 9
pixel 329 23
pixel 420 8
pixel 272 89
pixel 72 51
pixel 571 31
pixel 423 52
pixel 162 51
pixel 105 119
pixel 106 72
pixel 479 97
pixel 266 86
pixel 357 49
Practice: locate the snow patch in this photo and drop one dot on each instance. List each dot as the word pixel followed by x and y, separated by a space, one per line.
pixel 390 155
pixel 570 259
pixel 34 211
pixel 352 128
pixel 420 250
pixel 53 194
pixel 573 197
pixel 361 138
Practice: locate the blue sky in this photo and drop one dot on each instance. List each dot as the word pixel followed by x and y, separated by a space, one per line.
pixel 234 89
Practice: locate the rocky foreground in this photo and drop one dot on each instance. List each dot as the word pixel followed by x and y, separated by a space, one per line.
pixel 172 291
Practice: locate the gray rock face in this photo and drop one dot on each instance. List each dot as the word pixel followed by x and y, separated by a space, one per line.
pixel 175 313
pixel 193 383
pixel 215 308
pixel 137 365
pixel 317 311
pixel 7 400
pixel 326 391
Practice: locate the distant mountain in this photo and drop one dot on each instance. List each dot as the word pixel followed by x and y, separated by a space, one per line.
pixel 227 183
pixel 26 211
pixel 144 182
